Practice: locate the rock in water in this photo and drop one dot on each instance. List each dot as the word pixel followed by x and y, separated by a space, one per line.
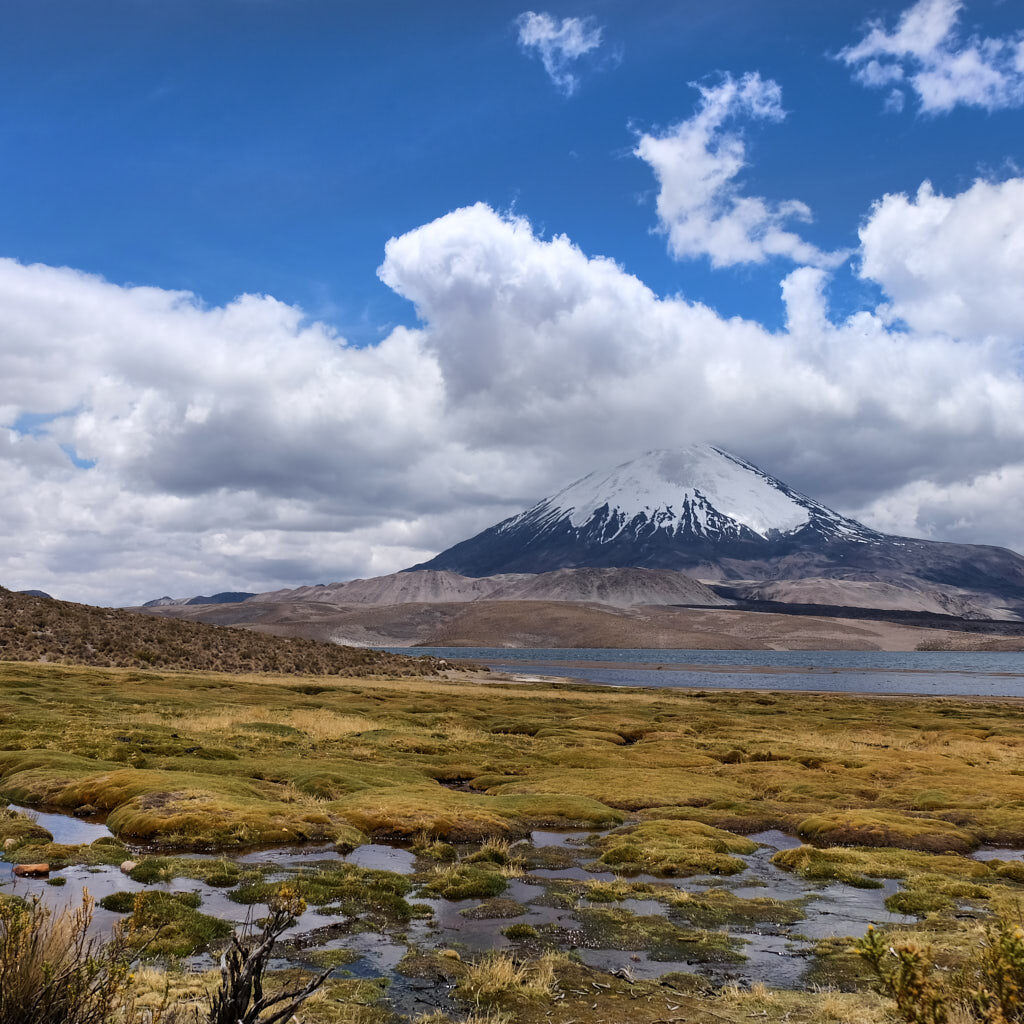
pixel 31 870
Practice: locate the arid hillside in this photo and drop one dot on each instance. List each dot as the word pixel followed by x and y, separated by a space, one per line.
pixel 524 623
pixel 616 587
pixel 41 629
pixel 565 624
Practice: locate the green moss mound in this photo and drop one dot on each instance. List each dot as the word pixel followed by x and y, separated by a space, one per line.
pixel 717 908
pixel 465 881
pixel 613 928
pixel 17 829
pixel 168 924
pixel 346 889
pixel 862 867
pixel 886 828
pixel 60 855
pixel 493 909
pixel 674 848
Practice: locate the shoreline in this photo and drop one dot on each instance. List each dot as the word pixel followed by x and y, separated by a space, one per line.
pixel 637 666
pixel 563 683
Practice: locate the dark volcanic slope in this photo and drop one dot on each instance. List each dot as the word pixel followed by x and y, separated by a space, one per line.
pixel 702 511
pixel 41 629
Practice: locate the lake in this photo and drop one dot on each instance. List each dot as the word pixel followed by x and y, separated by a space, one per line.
pixel 923 673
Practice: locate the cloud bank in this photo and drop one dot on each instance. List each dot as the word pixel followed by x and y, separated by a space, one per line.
pixel 247 447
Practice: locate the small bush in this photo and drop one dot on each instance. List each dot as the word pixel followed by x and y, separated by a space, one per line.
pixel 493 851
pixel 51 972
pixel 434 849
pixel 988 987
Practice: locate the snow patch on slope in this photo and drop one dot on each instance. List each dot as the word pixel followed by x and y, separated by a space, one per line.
pixel 659 484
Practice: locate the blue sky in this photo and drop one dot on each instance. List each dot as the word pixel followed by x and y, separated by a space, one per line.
pixel 292 292
pixel 231 146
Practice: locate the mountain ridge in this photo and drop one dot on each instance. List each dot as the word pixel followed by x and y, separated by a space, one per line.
pixel 706 512
pixel 618 587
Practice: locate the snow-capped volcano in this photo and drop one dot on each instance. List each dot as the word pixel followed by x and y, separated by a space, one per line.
pixel 699 491
pixel 671 488
pixel 714 515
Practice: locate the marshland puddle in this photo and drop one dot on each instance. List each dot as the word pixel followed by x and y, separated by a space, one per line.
pixel 64 827
pixel 998 853
pixel 551 901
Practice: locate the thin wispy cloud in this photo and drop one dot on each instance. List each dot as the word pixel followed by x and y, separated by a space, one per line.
pixel 702 208
pixel 927 54
pixel 558 44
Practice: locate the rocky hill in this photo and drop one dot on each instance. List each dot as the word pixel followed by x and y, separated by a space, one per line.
pixel 42 629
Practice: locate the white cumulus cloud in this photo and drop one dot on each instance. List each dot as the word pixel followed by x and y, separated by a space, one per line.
pixel 701 206
pixel 558 43
pixel 926 53
pixel 951 264
pixel 247 447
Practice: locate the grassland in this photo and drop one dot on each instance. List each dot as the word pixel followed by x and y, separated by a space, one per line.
pixel 878 789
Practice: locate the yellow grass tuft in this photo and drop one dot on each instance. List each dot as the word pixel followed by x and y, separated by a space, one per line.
pixel 317 725
pixel 498 975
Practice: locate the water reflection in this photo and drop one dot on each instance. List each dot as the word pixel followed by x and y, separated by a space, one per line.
pixel 64 827
pixel 776 954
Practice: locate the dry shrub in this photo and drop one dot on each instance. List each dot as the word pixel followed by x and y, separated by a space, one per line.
pixel 758 996
pixel 987 988
pixel 52 972
pixel 240 998
pixel 832 1007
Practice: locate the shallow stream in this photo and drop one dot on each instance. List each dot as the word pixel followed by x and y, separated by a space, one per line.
pixel 550 900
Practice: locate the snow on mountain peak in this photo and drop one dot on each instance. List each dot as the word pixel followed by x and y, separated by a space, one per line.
pixel 664 486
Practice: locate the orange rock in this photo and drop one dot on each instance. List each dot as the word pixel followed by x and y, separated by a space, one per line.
pixel 31 870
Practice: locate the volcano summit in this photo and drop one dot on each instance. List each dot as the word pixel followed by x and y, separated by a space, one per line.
pixel 707 512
